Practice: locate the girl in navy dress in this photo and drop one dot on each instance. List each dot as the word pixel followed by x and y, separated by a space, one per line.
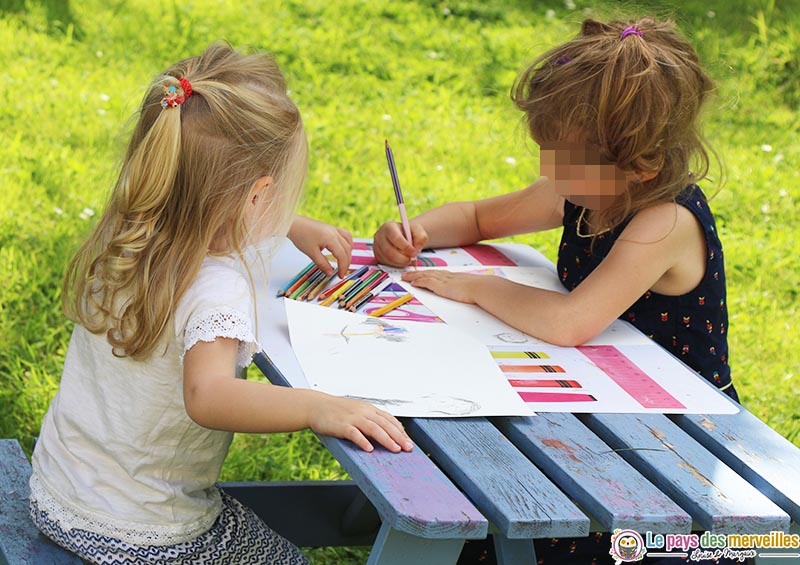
pixel 615 114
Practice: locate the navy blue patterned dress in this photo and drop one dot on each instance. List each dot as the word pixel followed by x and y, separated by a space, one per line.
pixel 692 326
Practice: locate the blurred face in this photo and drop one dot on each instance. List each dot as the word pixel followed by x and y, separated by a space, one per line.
pixel 581 175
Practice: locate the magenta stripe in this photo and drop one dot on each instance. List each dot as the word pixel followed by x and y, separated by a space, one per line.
pixel 638 384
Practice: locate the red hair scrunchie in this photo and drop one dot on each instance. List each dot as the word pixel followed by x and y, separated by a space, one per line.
pixel 186 86
pixel 171 97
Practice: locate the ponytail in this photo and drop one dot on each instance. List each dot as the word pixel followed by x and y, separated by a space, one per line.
pixel 195 153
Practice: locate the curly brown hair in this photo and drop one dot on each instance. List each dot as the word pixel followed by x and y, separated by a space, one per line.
pixel 636 98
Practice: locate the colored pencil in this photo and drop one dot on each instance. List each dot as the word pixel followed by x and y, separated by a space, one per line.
pixel 319 288
pixel 391 306
pixel 352 276
pixel 296 278
pixel 356 288
pixel 313 279
pixel 398 194
pixel 332 298
pixel 368 287
pixel 299 282
pixel 372 293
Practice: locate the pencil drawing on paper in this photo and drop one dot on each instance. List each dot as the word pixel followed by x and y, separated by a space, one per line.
pixel 374 328
pixel 435 404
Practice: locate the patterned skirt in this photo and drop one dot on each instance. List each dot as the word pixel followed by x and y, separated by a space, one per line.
pixel 238 537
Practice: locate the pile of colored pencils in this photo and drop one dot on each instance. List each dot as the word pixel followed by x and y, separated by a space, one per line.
pixel 351 293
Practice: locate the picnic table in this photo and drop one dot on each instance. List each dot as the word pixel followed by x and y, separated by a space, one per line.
pixel 543 476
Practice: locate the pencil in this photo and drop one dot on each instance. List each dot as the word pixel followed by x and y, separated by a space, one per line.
pixel 391 306
pixel 297 277
pixel 318 289
pixel 299 282
pixel 371 284
pixel 372 293
pixel 398 194
pixel 361 301
pixel 312 280
pixel 352 276
pixel 356 288
pixel 332 298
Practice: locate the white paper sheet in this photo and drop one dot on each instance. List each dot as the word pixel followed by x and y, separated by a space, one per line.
pixel 405 368
pixel 620 370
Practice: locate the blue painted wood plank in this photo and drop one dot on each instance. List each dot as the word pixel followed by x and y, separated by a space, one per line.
pixel 766 459
pixel 397 548
pixel 20 541
pixel 716 497
pixel 593 475
pixel 516 496
pixel 410 493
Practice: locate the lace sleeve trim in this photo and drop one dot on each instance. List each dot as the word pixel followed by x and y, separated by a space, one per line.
pixel 223 322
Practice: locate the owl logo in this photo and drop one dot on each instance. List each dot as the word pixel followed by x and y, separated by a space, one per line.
pixel 626 546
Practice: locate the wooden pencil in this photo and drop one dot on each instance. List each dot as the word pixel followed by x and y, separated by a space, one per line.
pixel 332 298
pixel 391 306
pixel 296 278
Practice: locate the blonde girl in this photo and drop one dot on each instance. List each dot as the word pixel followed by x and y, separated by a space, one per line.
pixel 125 467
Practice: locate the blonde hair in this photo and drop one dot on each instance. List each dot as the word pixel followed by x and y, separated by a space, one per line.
pixel 637 99
pixel 183 188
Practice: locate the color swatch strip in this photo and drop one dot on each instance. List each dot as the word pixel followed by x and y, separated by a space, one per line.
pixel 638 384
pixel 555 397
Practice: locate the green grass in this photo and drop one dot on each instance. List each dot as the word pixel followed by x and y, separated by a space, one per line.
pixel 433 77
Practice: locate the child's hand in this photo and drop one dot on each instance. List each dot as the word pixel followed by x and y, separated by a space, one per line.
pixel 312 236
pixel 455 286
pixel 391 246
pixel 354 420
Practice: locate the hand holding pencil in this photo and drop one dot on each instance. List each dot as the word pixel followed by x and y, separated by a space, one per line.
pixel 397 244
pixel 391 246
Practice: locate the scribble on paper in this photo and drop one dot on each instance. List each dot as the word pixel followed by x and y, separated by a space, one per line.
pixel 444 405
pixel 374 328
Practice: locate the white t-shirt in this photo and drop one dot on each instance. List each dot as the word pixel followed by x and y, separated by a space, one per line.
pixel 118 455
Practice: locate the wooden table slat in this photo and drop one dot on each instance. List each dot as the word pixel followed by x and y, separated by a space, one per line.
pixel 517 497
pixel 718 499
pixel 766 459
pixel 592 474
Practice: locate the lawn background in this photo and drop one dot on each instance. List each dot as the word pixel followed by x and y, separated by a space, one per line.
pixel 433 77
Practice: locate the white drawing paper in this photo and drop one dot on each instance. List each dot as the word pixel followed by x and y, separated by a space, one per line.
pixel 405 368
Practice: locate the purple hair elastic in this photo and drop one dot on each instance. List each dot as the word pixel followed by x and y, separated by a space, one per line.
pixel 563 59
pixel 630 30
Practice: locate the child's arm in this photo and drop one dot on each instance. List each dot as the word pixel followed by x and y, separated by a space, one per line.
pixel 535 208
pixel 215 399
pixel 662 248
pixel 312 236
